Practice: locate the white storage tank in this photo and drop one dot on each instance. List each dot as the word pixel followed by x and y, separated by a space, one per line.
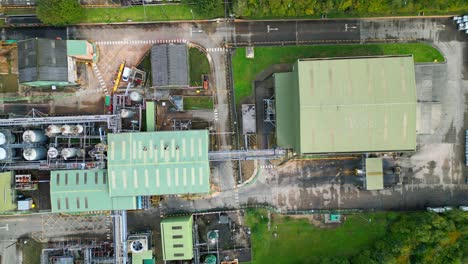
pixel 6 137
pixel 38 153
pixel 78 129
pixel 3 154
pixel 69 153
pixel 125 113
pixel 53 129
pixel 52 153
pixel 136 96
pixel 67 129
pixel 34 136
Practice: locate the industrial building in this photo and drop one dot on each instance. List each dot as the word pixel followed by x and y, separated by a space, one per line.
pixel 346 105
pixel 169 63
pixel 177 238
pixel 158 163
pixel 84 190
pixel 48 62
pixel 6 192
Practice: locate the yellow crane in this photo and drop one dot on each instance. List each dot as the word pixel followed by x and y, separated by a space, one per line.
pixel 119 75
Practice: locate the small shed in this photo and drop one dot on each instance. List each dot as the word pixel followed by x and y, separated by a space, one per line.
pixel 374 174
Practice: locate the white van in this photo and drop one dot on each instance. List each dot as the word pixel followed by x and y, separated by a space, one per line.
pixel 126 74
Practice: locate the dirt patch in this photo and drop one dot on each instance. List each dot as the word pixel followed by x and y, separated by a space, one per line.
pixel 315 220
pixel 247 168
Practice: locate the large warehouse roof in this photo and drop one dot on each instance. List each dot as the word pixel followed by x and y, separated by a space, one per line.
pixel 158 163
pixel 347 105
pixel 176 236
pixel 169 63
pixel 374 174
pixel 84 190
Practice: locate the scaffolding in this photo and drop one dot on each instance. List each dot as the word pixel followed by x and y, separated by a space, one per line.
pixel 270 111
pixel 178 124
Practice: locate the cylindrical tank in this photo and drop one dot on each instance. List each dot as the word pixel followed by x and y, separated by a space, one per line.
pixel 136 96
pixel 69 152
pixel 125 113
pixel 210 259
pixel 34 136
pixel 67 129
pixel 34 153
pixel 52 153
pixel 6 137
pixel 78 129
pixel 53 129
pixel 3 154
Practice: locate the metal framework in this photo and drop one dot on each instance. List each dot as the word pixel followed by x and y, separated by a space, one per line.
pixel 270 112
pixel 246 154
pixel 113 121
pixel 178 124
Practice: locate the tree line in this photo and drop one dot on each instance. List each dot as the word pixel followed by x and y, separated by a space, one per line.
pixel 302 8
pixel 417 238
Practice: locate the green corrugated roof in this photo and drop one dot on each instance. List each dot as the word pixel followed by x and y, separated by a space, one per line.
pixel 374 174
pixel 143 257
pixel 84 190
pixel 139 164
pixel 6 192
pixel 287 112
pixel 351 105
pixel 176 237
pixel 77 48
pixel 150 116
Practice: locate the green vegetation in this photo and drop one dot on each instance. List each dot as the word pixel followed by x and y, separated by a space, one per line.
pixel 207 7
pixel 345 8
pixel 20 11
pixel 59 12
pixel 245 70
pixel 298 241
pixel 198 102
pixel 145 65
pixel 145 13
pixel 387 238
pixel 198 63
pixel 31 251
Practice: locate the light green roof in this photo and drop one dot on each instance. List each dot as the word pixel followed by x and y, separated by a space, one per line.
pixel 150 116
pixel 374 174
pixel 143 257
pixel 84 190
pixel 77 48
pixel 176 237
pixel 158 163
pixel 348 105
pixel 6 192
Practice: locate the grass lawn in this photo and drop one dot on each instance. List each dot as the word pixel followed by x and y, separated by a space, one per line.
pixel 137 13
pixel 245 70
pixel 198 66
pixel 198 102
pixel 298 241
pixel 32 251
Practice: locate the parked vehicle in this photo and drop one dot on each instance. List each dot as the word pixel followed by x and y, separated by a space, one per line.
pixel 439 209
pixel 126 74
pixel 463 208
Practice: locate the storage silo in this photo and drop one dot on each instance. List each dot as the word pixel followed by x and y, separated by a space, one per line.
pixel 34 136
pixel 3 154
pixel 52 153
pixel 53 129
pixel 67 129
pixel 125 113
pixel 6 137
pixel 69 153
pixel 31 154
pixel 78 129
pixel 136 96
